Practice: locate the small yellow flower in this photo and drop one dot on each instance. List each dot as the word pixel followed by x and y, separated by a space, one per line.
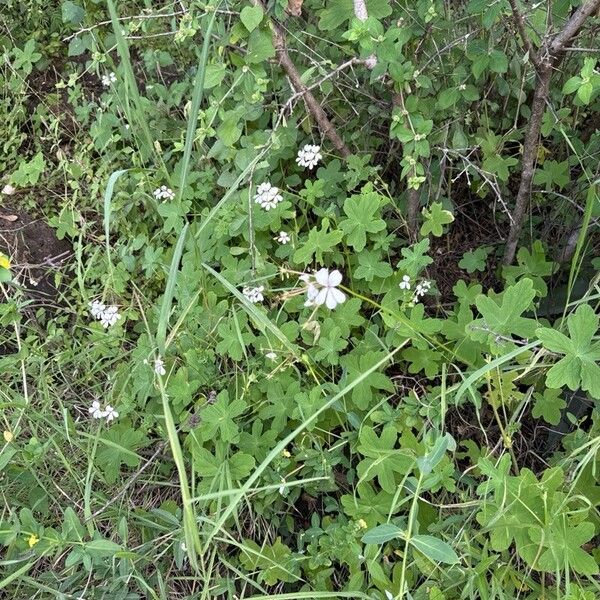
pixel 8 436
pixel 33 540
pixel 4 261
pixel 286 453
pixel 362 524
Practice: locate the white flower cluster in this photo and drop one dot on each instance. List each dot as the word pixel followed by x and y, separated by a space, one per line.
pixel 108 80
pixel 164 193
pixel 309 156
pixel 254 294
pixel 421 289
pixel 97 412
pixel 107 315
pixel 267 196
pixel 322 289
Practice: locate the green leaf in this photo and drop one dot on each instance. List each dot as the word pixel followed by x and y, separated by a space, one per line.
pixel 218 419
pixel 382 459
pixel 357 362
pixel 553 173
pixel 29 172
pixel 498 61
pixel 474 260
pixel 572 85
pixel 251 16
pixel 371 266
pixel 435 219
pixel 72 13
pixel 319 242
pixel 415 258
pixel 584 93
pixel 102 548
pixel 448 98
pixel 119 444
pixel 549 406
pixel 579 365
pixel 260 45
pixel 434 549
pixel 501 316
pixel 230 130
pixel 362 211
pixel 382 534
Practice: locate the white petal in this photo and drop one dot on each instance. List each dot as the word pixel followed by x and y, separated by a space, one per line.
pixel 335 278
pixel 322 276
pixel 330 301
pixel 338 295
pixel 321 297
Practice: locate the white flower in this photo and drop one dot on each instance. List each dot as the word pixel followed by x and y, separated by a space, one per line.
pixel 110 413
pixel 309 156
pixel 159 366
pixel 283 237
pixel 254 294
pixel 109 316
pixel 271 355
pixel 8 189
pixel 97 308
pixel 96 411
pixel 405 283
pixel 108 80
pixel 389 595
pixel 164 193
pixel 421 289
pixel 267 196
pixel 328 293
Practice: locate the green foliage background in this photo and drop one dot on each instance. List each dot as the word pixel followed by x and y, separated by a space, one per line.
pixel 435 447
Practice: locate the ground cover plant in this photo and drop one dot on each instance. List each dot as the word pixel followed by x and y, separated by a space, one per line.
pixel 300 299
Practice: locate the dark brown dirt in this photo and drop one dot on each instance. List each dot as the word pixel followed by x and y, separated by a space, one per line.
pixel 35 252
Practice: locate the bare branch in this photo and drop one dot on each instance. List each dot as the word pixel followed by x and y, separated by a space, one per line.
pixel 325 125
pixel 520 24
pixel 573 26
pixel 550 56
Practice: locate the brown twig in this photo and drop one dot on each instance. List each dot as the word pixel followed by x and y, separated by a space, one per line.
pixel 325 125
pixel 549 58
pixel 520 24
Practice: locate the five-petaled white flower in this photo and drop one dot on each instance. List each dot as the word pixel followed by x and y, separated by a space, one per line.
pixel 110 413
pixel 109 316
pixel 97 308
pixel 324 289
pixel 159 366
pixel 309 156
pixel 164 193
pixel 108 80
pixel 405 283
pixel 267 196
pixel 96 411
pixel 283 237
pixel 254 294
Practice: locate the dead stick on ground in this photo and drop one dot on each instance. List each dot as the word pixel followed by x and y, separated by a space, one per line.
pixel 325 125
pixel 548 58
